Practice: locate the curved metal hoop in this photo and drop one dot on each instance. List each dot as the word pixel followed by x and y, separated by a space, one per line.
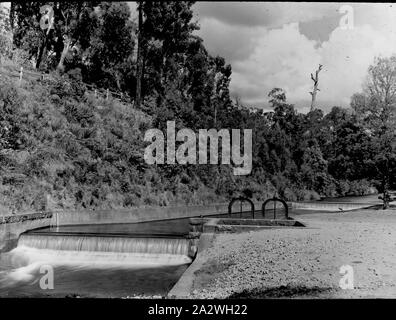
pixel 242 199
pixel 275 199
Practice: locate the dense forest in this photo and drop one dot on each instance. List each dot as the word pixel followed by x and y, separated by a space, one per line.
pixel 62 147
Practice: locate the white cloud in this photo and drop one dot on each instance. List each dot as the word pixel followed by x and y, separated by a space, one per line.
pixel 269 14
pixel 282 58
pixel 264 58
pixel 347 56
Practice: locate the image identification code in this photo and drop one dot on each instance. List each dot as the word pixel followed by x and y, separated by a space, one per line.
pixel 209 309
pixel 220 309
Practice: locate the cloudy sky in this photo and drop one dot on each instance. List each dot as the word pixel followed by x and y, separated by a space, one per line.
pixel 273 44
pixel 280 44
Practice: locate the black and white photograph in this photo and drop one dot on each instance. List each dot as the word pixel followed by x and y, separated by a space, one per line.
pixel 221 152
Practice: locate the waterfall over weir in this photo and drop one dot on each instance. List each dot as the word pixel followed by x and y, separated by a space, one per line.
pixel 109 260
pixel 62 248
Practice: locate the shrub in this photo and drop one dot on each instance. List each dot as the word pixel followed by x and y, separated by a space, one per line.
pixel 20 57
pixel 361 188
pixel 5 46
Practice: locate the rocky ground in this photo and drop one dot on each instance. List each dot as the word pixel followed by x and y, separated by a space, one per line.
pixel 304 262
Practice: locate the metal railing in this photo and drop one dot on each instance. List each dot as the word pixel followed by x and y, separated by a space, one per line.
pixel 275 200
pixel 241 199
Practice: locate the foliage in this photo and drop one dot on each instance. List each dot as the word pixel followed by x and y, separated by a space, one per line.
pixel 61 147
pixel 375 108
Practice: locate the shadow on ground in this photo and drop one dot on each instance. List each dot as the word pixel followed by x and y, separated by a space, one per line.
pixel 282 292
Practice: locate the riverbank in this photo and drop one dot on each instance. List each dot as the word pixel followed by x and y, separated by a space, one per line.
pixel 304 262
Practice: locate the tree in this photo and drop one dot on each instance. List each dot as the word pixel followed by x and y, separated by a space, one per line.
pixel 4 19
pixel 71 28
pixel 140 55
pixel 166 31
pixel 315 87
pixel 139 72
pixel 107 59
pixel 5 32
pixel 96 37
pixel 314 168
pixel 375 108
pixel 72 25
pixel 278 97
pixel 25 23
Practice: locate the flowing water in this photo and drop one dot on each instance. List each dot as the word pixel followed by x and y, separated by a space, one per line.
pixel 113 260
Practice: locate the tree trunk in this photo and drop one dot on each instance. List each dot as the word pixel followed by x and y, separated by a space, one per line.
pixel 118 81
pixel 65 50
pixel 139 73
pixel 41 53
pixel 385 200
pixel 315 88
pixel 44 45
pixel 386 196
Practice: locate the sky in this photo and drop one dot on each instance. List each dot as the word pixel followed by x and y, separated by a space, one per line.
pixel 279 44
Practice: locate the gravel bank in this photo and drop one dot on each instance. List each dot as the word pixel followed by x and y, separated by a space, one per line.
pixel 304 262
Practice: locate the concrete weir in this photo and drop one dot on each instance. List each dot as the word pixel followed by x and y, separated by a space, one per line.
pixel 183 286
pixel 203 231
pixel 14 225
pixel 217 225
pixel 330 206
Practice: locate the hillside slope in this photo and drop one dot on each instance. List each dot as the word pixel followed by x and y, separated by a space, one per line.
pixel 62 148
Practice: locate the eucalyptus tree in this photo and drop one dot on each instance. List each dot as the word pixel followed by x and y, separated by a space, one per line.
pixel 375 108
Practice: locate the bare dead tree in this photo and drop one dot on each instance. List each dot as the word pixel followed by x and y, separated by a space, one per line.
pixel 315 87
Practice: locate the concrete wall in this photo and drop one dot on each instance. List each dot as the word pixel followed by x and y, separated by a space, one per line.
pixel 329 206
pixel 138 214
pixel 12 226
